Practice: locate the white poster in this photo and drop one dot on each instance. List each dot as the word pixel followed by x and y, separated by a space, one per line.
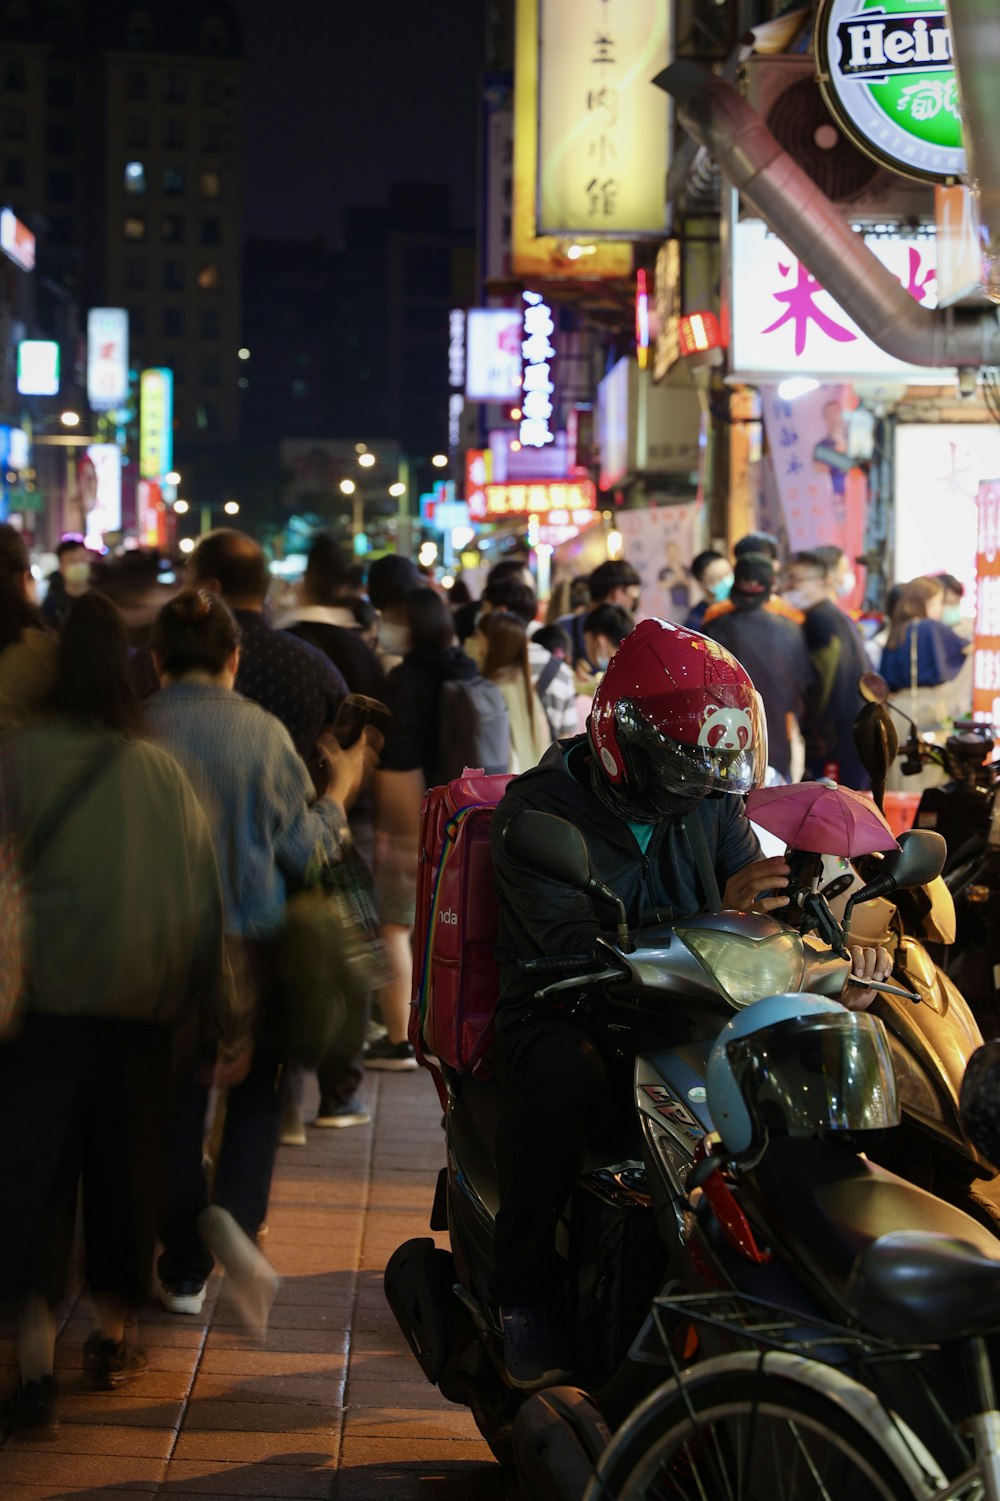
pixel 99 488
pixel 939 468
pixel 493 354
pixel 661 543
pixel 107 358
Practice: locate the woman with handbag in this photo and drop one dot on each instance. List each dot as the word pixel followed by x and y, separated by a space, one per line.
pixel 122 956
pixel 268 826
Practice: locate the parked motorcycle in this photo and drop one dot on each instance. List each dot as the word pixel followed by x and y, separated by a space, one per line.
pixel 662 997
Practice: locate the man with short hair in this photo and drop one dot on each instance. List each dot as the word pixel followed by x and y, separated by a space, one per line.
pixel 713 573
pixel 838 659
pixel 70 579
pixel 612 583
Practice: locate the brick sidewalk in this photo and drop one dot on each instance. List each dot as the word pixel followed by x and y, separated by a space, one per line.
pixel 333 1405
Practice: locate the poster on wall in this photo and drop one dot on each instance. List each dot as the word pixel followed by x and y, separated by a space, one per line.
pixel 821 493
pixel 661 543
pixel 986 660
pixel 939 468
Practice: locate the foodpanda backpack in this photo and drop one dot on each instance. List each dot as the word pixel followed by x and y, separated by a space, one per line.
pixel 473 728
pixel 455 976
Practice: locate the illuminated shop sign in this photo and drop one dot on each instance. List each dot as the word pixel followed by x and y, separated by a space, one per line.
pixel 456 376
pixel 537 385
pixel 493 358
pixel 156 423
pixel 492 502
pixel 16 240
pixel 38 367
pixel 888 76
pixel 107 358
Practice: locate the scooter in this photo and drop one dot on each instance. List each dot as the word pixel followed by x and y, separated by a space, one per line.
pixel 662 997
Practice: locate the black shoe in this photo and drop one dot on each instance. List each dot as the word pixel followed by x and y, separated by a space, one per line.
pixel 112 1363
pixel 32 1409
pixel 391 1055
pixel 536 1347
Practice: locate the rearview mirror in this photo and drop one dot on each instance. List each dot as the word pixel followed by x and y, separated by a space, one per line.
pixel 921 858
pixel 549 845
pixel 876 742
pixel 873 688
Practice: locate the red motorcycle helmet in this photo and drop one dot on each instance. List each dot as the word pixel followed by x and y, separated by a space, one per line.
pixel 675 717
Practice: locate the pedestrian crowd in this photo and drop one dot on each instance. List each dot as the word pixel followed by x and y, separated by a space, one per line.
pixel 176 763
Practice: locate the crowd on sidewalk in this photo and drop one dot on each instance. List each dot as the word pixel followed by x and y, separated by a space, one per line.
pixel 173 765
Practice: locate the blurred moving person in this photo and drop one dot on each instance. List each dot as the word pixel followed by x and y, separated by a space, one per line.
pixel 70 579
pixel 506 664
pixel 124 961
pixel 27 650
pixel 713 573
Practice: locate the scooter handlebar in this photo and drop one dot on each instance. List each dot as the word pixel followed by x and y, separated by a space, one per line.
pixel 557 964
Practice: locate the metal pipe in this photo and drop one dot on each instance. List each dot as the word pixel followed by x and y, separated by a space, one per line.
pixel 777 189
pixel 975 39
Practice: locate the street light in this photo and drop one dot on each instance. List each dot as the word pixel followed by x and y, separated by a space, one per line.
pixel 186 544
pixel 70 419
pixel 173 478
pixel 397 489
pixel 440 460
pixel 181 506
pixel 232 508
pixel 366 460
pixel 347 487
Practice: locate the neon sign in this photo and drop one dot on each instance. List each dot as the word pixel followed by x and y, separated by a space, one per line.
pixel 549 498
pixel 537 386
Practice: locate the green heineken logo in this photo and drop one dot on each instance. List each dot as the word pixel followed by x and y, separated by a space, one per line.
pixel 887 72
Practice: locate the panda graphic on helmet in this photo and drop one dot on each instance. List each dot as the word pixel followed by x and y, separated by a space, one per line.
pixel 725 728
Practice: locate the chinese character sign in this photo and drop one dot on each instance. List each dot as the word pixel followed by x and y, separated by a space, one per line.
pixel 107 358
pixel 986 661
pixel 156 423
pixel 493 354
pixel 559 500
pixel 784 323
pixel 603 127
pixel 537 385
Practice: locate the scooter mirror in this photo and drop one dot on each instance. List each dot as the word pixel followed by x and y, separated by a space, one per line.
pixel 550 845
pixel 921 858
pixel 877 743
pixel 873 688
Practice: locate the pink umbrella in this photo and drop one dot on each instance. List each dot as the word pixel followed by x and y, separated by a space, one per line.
pixel 826 820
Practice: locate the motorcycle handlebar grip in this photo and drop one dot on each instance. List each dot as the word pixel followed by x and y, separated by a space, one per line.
pixel 561 964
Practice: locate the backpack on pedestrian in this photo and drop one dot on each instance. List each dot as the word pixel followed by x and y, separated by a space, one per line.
pixel 455 975
pixel 473 728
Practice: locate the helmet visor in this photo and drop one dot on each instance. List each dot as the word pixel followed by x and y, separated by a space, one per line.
pixel 830 1072
pixel 734 764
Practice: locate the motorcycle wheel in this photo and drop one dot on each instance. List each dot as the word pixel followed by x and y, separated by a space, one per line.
pixel 741 1437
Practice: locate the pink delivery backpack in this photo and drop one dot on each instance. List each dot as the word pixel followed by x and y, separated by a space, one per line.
pixel 455 976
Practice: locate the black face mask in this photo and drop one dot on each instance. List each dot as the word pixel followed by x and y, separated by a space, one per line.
pixel 639 807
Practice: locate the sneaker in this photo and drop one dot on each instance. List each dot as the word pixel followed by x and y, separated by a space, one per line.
pixel 393 1055
pixel 112 1363
pixel 32 1409
pixel 351 1113
pixel 292 1132
pixel 536 1349
pixel 184 1296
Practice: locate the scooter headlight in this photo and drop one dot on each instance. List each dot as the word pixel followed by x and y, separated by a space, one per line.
pixel 748 969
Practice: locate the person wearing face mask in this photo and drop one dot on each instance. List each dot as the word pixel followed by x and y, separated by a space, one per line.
pixel 70 579
pixel 612 583
pixel 754 542
pixel 926 664
pixel 838 659
pixel 604 630
pixel 712 573
pixel 389 581
pixel 655 787
pixel 951 606
pixel 841 579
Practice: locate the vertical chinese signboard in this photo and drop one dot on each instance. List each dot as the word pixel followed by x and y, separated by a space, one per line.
pixel 986 663
pixel 156 423
pixel 107 358
pixel 533 253
pixel 602 125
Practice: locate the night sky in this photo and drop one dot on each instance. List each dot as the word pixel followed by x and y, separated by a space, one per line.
pixel 344 97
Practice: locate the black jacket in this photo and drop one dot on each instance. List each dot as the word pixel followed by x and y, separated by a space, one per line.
pixel 540 916
pixel 773 651
pixel 413 691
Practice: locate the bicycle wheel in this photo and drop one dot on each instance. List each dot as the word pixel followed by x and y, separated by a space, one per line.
pixel 747 1437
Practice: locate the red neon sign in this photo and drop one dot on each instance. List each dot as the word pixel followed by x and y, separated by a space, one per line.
pixel 494 502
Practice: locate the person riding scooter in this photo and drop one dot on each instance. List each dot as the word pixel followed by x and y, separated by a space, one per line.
pixel 676 737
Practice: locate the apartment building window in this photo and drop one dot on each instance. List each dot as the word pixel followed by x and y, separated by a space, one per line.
pixel 211 185
pixel 59 140
pixel 135 227
pixel 137 86
pixel 135 178
pixel 13 172
pixel 211 370
pixel 207 417
pixel 209 277
pixel 61 91
pixel 173 322
pixel 211 323
pixel 211 135
pixel 136 277
pixel 137 131
pixel 14 78
pixel 173 135
pixel 14 123
pixel 173 275
pixel 174 89
pixel 173 181
pixel 211 232
pixel 173 229
pixel 211 90
pixel 137 322
pixel 60 187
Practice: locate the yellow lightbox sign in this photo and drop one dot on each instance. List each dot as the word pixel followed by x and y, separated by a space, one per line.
pixel 568 257
pixel 156 423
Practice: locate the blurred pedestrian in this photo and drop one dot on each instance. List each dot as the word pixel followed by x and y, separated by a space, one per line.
pixel 768 545
pixel 772 650
pixel 390 580
pixel 124 963
pixel 926 663
pixel 267 827
pixel 324 620
pixel 506 664
pixel 68 581
pixel 713 573
pixel 613 583
pixel 838 659
pixel 553 679
pixel 27 651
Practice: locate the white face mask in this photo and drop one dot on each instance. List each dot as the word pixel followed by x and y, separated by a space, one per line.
pixel 77 573
pixel 393 639
pixel 847 584
pixel 799 599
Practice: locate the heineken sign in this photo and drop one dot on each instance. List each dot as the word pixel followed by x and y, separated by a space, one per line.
pixel 887 73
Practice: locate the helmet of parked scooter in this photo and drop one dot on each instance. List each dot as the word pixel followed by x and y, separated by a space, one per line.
pixel 794 1065
pixel 675 717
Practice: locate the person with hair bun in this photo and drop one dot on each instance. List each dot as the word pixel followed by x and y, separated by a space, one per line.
pixel 267 824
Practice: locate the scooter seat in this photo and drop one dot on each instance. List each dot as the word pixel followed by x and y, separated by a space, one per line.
pixel 918 1287
pixel 822 1206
